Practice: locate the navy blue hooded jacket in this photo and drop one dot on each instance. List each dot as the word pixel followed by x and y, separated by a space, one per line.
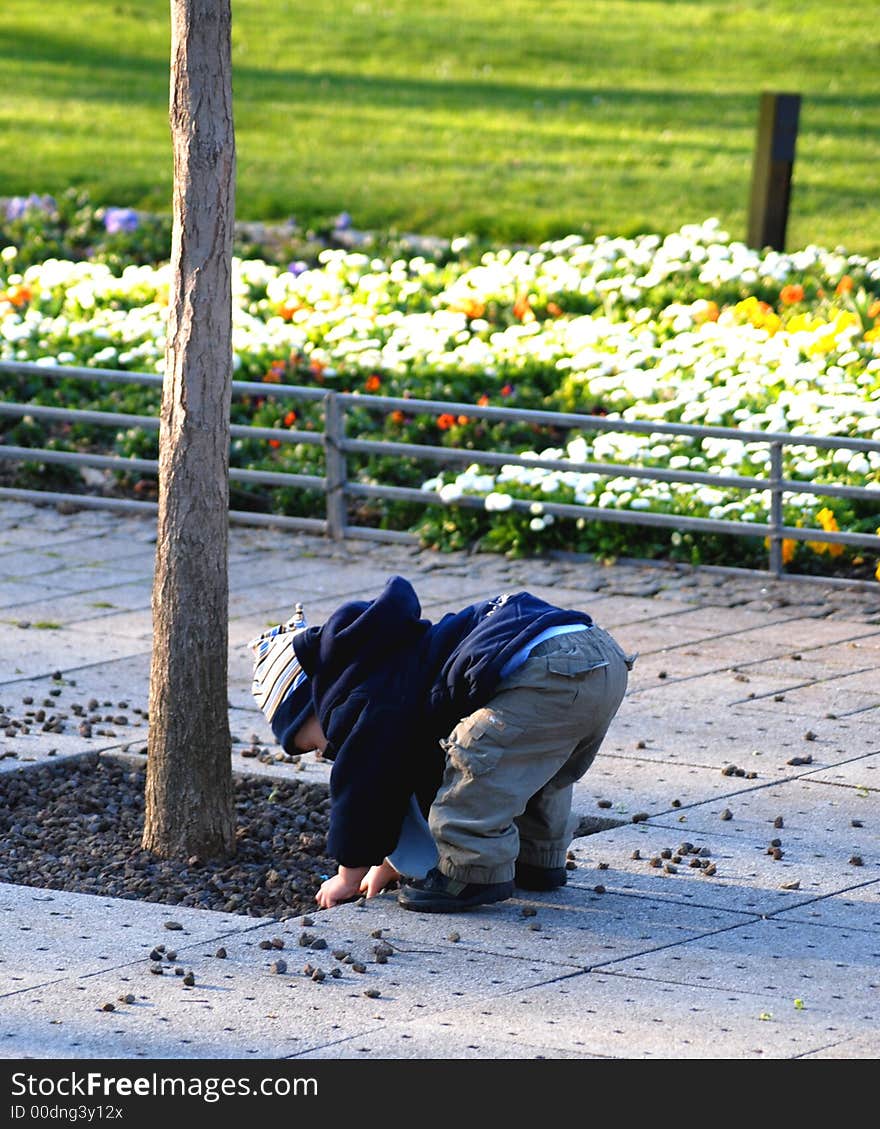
pixel 386 685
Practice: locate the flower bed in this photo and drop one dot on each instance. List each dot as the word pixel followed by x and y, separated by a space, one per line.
pixel 690 328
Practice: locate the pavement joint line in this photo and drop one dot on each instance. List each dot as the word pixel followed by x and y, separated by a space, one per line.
pixel 799 685
pixel 855 712
pixel 727 635
pixel 717 670
pixel 367 1033
pixel 753 786
pixel 837 764
pixel 680 900
pixel 77 669
pixel 823 1047
pixel 31 577
pixel 56 544
pixel 867 930
pixel 756 992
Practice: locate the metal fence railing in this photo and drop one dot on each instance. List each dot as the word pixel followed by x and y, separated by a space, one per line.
pixel 339 488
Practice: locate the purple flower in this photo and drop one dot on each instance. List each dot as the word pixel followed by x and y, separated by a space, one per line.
pixel 120 219
pixel 297 267
pixel 342 222
pixel 18 206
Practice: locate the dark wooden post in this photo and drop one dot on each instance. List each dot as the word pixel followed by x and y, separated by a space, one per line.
pixel 771 174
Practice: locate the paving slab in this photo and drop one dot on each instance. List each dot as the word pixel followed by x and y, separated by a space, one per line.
pixel 616 613
pixel 729 648
pixel 17 593
pixel 639 1017
pixel 441 1040
pixel 746 878
pixel 833 696
pixel 865 1047
pixel 759 740
pixel 238 1007
pixel 564 930
pixel 816 822
pixel 856 909
pixel 17 754
pixel 47 936
pixel 780 960
pixel 80 557
pixel 668 633
pixel 119 688
pixel 136 624
pixel 87 607
pixel 618 788
pixel 33 653
pixel 861 773
pixel 645 730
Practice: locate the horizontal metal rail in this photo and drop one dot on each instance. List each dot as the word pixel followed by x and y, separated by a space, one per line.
pixel 338 488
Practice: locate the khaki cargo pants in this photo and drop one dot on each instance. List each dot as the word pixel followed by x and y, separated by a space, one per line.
pixel 510 766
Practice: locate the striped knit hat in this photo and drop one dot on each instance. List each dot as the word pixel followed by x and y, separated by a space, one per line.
pixel 280 685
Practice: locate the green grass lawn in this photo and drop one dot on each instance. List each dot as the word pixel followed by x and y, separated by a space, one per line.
pixel 515 120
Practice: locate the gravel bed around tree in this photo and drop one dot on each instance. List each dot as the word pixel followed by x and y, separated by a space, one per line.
pixel 77 826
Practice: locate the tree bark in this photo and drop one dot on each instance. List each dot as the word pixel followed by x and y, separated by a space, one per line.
pixel 189 803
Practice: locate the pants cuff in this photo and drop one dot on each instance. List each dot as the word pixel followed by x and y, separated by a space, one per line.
pixel 484 875
pixel 546 855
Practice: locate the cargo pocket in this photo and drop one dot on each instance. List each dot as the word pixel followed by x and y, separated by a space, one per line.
pixel 478 742
pixel 574 665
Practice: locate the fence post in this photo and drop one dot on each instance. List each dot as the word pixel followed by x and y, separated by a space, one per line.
pixel 336 471
pixel 772 169
pixel 776 522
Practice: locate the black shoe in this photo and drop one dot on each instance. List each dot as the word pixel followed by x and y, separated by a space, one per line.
pixel 435 893
pixel 530 877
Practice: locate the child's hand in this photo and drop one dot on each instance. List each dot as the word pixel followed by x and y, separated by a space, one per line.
pixel 342 887
pixel 377 878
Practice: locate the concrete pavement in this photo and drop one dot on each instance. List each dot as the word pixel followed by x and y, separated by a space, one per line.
pixel 752 716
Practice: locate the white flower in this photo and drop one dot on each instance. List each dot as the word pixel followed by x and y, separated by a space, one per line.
pixel 451 492
pixel 497 502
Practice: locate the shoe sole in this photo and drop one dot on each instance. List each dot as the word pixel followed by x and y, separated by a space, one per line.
pixel 451 905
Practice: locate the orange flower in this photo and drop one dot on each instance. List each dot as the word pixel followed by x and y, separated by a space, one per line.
pixel 522 309
pixel 397 416
pixel 874 309
pixel 792 293
pixel 845 285
pixel 273 376
pixel 507 390
pixel 274 442
pixel 290 419
pixel 470 307
pixel 463 420
pixel 289 309
pixel 553 310
pixel 19 295
pixel 373 383
pixel 445 421
pixel 483 401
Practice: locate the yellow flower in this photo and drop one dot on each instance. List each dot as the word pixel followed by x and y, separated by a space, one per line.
pixel 788 549
pixel 828 521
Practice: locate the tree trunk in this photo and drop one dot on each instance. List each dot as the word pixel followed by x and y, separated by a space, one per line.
pixel 189 804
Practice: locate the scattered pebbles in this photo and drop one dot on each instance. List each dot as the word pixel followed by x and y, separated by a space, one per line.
pixel 91 815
